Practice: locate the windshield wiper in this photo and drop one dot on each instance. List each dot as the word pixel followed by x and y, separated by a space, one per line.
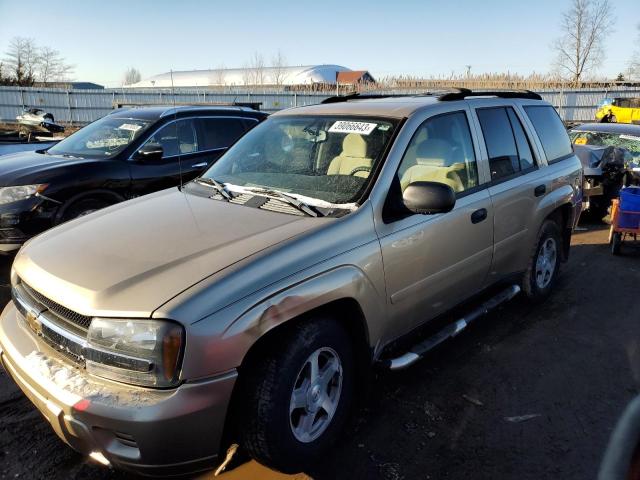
pixel 291 200
pixel 220 188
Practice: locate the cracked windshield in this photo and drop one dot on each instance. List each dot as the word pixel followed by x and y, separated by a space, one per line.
pixel 326 160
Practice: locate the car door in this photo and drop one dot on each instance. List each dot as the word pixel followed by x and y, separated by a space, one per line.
pixel 179 142
pixel 433 262
pixel 516 186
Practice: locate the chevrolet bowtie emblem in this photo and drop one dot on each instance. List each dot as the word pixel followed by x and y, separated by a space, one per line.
pixel 33 322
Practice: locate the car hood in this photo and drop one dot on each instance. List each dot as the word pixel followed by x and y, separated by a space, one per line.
pixel 132 257
pixel 15 168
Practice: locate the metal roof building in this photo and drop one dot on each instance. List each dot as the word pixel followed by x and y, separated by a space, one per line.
pixel 303 75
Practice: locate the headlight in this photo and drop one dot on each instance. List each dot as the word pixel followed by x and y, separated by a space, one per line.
pixel 20 192
pixel 141 352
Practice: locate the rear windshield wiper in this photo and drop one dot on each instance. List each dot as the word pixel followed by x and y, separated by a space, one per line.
pixel 220 188
pixel 291 200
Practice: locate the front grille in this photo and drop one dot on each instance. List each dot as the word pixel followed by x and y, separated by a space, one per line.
pixel 71 350
pixel 69 316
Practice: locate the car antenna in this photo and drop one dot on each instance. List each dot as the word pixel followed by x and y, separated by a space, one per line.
pixel 175 121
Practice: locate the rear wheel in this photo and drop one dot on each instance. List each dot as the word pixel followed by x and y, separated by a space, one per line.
pixel 297 395
pixel 544 264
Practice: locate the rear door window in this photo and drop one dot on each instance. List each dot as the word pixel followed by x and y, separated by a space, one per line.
pixel 522 142
pixel 220 132
pixel 507 143
pixel 500 142
pixel 550 130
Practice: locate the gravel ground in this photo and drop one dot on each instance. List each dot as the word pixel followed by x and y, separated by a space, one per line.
pixel 526 393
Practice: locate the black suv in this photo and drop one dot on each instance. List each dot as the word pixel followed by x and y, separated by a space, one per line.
pixel 126 154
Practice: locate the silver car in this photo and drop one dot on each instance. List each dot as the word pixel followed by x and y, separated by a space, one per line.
pixel 247 306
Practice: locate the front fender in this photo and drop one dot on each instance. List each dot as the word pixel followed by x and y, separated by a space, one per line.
pixel 225 350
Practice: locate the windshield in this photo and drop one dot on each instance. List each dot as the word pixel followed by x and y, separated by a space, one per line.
pixel 629 142
pixel 329 159
pixel 101 139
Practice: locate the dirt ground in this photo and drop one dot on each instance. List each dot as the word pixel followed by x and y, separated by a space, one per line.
pixel 571 364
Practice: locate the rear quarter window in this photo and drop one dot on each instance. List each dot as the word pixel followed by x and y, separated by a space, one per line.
pixel 550 130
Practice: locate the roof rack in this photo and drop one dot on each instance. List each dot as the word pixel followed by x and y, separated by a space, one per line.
pixel 462 93
pixel 252 105
pixel 455 94
pixel 359 96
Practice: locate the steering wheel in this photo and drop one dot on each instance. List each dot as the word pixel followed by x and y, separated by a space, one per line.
pixel 360 169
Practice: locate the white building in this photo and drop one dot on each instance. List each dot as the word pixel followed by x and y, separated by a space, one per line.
pixel 303 75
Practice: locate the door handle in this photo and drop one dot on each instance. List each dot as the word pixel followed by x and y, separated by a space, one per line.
pixel 540 190
pixel 199 165
pixel 479 215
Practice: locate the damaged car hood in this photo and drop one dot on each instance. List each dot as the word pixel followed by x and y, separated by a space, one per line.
pixel 129 259
pixel 595 157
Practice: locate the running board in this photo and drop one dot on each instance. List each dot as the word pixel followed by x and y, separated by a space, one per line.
pixel 451 330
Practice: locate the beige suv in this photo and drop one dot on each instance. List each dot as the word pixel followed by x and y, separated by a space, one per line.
pixel 248 305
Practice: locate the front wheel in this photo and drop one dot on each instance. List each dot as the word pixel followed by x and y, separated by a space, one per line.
pixel 297 395
pixel 544 264
pixel 83 207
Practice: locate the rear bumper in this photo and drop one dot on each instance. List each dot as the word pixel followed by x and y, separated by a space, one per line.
pixel 152 432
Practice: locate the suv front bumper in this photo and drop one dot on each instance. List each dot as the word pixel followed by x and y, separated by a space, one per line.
pixel 149 431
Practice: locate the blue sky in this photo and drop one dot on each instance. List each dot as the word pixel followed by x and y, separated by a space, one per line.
pixel 421 37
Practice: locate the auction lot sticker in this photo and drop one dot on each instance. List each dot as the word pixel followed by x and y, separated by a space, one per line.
pixel 130 126
pixel 363 128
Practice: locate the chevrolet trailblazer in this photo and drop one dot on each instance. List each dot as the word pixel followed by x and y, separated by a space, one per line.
pixel 246 305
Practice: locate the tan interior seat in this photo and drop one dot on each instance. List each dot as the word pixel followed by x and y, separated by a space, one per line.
pixel 354 155
pixel 433 164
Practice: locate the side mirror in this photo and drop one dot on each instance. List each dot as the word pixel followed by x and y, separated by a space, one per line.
pixel 429 197
pixel 150 152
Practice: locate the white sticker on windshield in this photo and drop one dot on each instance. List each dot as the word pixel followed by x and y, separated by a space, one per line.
pixel 630 137
pixel 363 128
pixel 130 126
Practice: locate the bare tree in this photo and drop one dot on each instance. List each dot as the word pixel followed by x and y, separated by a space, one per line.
pixel 4 80
pixel 278 64
pixel 256 66
pixel 219 78
pixel 634 63
pixel 585 26
pixel 131 76
pixel 20 60
pixel 51 66
pixel 246 74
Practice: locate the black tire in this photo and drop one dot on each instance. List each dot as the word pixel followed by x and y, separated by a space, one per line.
pixel 265 423
pixel 83 207
pixel 535 291
pixel 616 243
